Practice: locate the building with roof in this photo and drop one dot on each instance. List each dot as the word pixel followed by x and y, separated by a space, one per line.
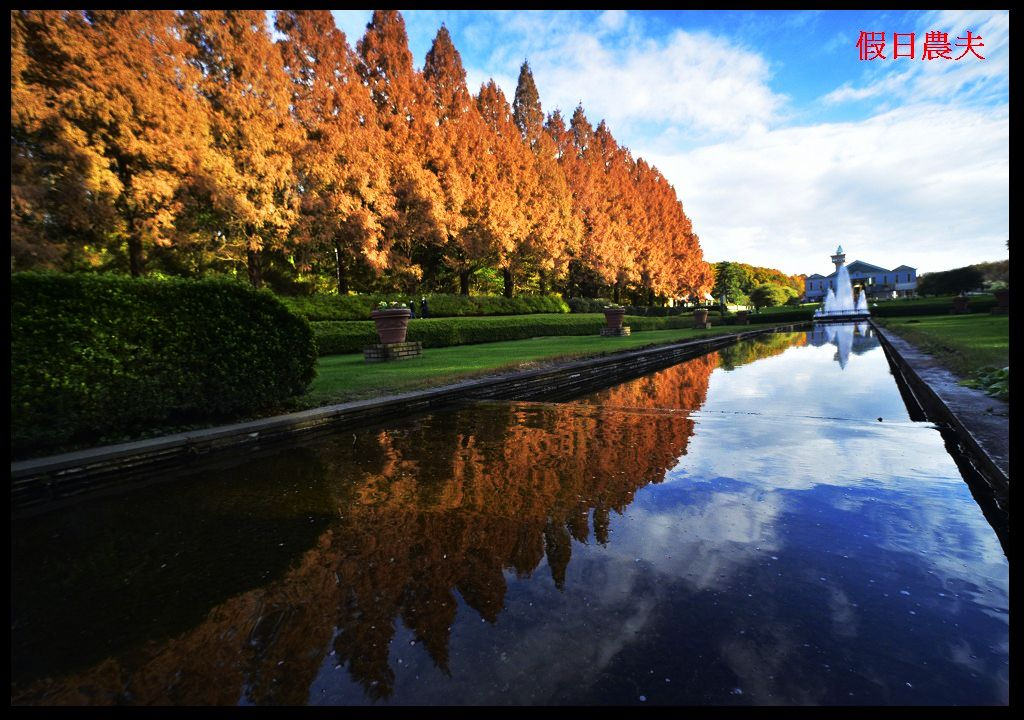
pixel 876 281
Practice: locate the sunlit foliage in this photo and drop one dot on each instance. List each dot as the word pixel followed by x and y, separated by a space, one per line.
pixel 193 143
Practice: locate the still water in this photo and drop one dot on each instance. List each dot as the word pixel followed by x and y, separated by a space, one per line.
pixel 761 525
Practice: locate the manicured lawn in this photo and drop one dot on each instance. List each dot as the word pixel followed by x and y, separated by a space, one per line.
pixel 349 377
pixel 963 343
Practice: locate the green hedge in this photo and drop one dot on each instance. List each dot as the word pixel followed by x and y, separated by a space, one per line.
pixel 335 338
pixel 930 306
pixel 358 307
pixel 782 316
pixel 96 357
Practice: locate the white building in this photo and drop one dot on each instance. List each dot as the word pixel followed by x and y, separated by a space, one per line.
pixel 878 282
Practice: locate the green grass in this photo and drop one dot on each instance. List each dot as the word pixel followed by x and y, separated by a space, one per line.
pixel 348 377
pixel 965 344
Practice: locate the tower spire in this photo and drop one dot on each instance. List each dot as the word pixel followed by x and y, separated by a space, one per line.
pixel 839 258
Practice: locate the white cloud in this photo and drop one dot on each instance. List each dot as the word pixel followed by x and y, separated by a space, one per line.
pixel 925 185
pixel 705 83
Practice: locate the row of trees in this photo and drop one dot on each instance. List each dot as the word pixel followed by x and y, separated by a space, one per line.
pixel 192 142
pixel 742 284
pixel 951 282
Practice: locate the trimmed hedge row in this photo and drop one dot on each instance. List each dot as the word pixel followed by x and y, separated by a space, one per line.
pixel 931 306
pixel 94 357
pixel 333 338
pixel 358 307
pixel 596 305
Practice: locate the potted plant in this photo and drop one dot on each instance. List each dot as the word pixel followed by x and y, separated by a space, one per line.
pixel 700 317
pixel 613 315
pixel 392 320
pixel 960 304
pixel 742 317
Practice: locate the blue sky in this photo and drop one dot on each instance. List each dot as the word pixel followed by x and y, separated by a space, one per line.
pixel 780 142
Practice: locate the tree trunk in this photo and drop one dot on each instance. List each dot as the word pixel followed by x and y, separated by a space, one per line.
pixel 342 274
pixel 135 260
pixel 464 282
pixel 542 282
pixel 255 274
pixel 650 296
pixel 509 281
pixel 615 292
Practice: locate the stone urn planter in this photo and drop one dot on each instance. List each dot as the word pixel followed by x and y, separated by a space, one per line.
pixel 700 318
pixel 613 317
pixel 960 304
pixel 392 324
pixel 743 317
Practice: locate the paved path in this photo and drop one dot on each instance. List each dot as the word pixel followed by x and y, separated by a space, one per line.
pixel 981 422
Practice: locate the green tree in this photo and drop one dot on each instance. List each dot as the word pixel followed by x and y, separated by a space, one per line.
pixel 768 295
pixel 951 282
pixel 730 281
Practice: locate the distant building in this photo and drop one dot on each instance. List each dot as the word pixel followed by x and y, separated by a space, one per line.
pixel 878 282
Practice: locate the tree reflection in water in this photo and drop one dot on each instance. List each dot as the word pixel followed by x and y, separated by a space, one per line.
pixel 441 504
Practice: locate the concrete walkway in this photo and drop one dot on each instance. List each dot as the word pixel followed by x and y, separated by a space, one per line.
pixel 981 423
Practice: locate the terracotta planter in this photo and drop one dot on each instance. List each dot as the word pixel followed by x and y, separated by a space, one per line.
pixel 392 324
pixel 613 318
pixel 700 316
pixel 1003 298
pixel 960 304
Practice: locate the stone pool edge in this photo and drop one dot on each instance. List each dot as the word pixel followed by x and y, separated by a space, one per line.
pixel 41 483
pixel 983 433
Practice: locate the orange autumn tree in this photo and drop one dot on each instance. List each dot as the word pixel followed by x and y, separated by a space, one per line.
pixel 404 112
pixel 554 230
pixel 458 152
pixel 515 185
pixel 621 206
pixel 341 168
pixel 583 163
pixel 247 177
pixel 105 131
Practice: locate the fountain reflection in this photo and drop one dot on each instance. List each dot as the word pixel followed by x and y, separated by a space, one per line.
pixel 847 337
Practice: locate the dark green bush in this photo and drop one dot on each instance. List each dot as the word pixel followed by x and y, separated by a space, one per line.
pixel 96 357
pixel 358 307
pixel 348 337
pixel 779 316
pixel 930 306
pixel 587 305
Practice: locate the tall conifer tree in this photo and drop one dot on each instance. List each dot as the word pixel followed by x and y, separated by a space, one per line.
pixel 249 179
pixel 342 164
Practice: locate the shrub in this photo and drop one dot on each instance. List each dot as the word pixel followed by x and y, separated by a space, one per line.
pixel 929 306
pixel 780 316
pixel 94 357
pixel 587 305
pixel 358 307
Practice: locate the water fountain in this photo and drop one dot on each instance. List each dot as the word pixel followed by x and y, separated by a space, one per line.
pixel 840 305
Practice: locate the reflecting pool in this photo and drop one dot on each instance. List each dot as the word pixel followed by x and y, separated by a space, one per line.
pixel 761 525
